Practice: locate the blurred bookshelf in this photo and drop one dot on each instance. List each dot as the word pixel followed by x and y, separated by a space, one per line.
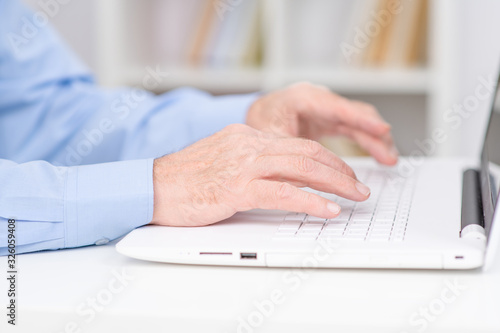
pixel 235 46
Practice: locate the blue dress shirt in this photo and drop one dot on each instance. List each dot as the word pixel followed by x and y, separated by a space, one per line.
pixel 75 159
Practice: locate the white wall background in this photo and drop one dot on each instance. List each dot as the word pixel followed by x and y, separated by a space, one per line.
pixel 478 36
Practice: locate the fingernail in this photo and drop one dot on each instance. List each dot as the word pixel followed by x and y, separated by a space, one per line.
pixel 333 207
pixel 363 189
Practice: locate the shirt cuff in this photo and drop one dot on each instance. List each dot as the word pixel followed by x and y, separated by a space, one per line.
pixel 106 201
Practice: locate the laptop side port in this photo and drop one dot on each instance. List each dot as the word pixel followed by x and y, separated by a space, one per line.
pixel 248 255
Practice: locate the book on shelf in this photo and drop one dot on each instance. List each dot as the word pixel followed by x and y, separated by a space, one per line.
pixel 333 33
pixel 171 28
pixel 200 33
pixel 401 40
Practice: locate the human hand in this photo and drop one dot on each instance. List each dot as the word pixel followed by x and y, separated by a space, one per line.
pixel 241 168
pixel 311 111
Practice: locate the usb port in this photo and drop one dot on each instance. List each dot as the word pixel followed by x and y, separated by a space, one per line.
pixel 248 255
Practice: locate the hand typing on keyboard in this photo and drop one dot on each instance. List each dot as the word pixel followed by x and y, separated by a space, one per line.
pixel 312 111
pixel 241 168
pixel 383 217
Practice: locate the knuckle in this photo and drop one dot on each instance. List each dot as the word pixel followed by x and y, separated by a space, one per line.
pixel 305 164
pixel 322 87
pixel 300 87
pixel 284 191
pixel 235 128
pixel 312 148
pixel 303 85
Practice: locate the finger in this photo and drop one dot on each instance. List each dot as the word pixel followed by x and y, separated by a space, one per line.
pixel 335 129
pixel 305 171
pixel 311 149
pixel 331 107
pixel 377 148
pixel 266 194
pixel 382 149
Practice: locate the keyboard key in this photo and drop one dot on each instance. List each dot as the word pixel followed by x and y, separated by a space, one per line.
pixel 315 219
pixel 307 235
pixel 358 226
pixel 343 216
pixel 382 222
pixel 332 226
pixel 281 236
pixel 286 231
pixel 354 237
pixel 354 230
pixel 362 216
pixel 384 217
pixel 379 239
pixel 381 227
pixel 367 223
pixel 295 217
pixel 398 232
pixel 290 225
pixel 312 226
pixel 381 232
pixel 344 203
pixel 327 236
pixel 365 210
pixel 333 233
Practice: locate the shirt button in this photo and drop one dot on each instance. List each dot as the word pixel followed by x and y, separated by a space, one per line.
pixel 102 241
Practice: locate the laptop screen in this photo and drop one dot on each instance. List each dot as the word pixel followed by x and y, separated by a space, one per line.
pixel 490 163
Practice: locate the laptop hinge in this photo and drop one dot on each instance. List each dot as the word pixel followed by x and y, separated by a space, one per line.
pixel 472 206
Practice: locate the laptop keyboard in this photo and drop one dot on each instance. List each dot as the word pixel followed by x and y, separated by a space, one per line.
pixel 381 218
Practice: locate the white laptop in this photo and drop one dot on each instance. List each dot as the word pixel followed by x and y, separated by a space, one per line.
pixel 424 213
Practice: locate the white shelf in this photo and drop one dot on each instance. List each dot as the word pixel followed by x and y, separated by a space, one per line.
pixel 362 81
pixel 372 81
pixel 208 79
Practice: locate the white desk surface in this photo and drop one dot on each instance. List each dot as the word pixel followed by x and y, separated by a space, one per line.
pixel 54 288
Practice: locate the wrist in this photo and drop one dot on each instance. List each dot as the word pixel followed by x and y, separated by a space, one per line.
pixel 158 195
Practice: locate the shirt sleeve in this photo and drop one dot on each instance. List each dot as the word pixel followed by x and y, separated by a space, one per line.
pixel 51 108
pixel 64 207
pixel 92 176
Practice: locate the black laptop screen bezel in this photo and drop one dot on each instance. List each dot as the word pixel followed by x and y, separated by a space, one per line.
pixel 489 181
